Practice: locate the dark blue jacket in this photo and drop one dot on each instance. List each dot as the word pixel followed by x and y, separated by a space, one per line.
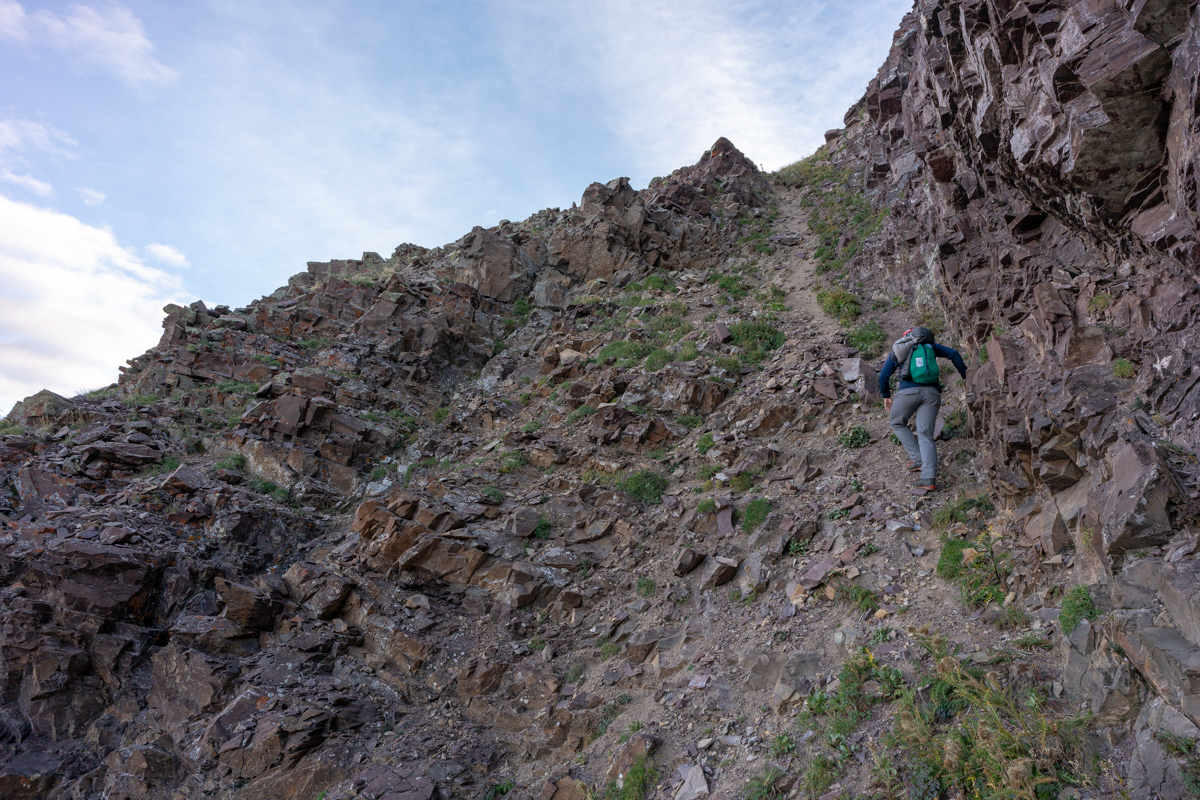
pixel 889 366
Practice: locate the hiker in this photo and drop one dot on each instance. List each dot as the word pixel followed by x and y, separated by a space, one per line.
pixel 919 393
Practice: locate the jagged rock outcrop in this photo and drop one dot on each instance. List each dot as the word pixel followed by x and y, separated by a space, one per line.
pixel 1038 163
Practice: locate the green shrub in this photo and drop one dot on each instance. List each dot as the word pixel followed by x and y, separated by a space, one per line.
pixel 658 359
pixel 523 306
pixel 580 413
pixel 706 506
pixel 640 780
pixel 237 461
pixel 1123 368
pixel 733 285
pixel 982 580
pixel 168 464
pixel 270 489
pixel 532 426
pixel 494 494
pixel 705 443
pixel 511 461
pixel 236 387
pixel 839 304
pixel 687 351
pixel 782 745
pixel 440 414
pixel 755 513
pixel 949 564
pixel 858 436
pixel 625 349
pixel 1077 606
pixel 657 283
pixel 690 420
pixel 756 338
pixel 646 486
pixel 666 324
pixel 498 790
pixel 965 734
pixel 860 597
pixel 763 787
pixel 820 774
pixel 743 481
pixel 867 338
pixel 542 529
pixel 960 509
pixel 138 400
pixel 731 365
pixel 646 587
pixel 1100 303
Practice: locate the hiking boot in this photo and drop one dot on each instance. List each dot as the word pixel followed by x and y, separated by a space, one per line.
pixel 913 467
pixel 924 483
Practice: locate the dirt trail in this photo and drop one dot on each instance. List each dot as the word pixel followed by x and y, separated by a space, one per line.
pixel 799 266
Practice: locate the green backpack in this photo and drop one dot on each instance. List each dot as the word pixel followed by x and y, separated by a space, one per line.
pixel 923 366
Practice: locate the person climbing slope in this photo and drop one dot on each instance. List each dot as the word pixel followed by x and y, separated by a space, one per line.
pixel 919 393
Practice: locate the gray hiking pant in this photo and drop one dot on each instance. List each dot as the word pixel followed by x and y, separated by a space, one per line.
pixel 924 402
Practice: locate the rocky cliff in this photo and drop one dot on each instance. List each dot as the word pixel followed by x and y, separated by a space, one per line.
pixel 602 502
pixel 1037 164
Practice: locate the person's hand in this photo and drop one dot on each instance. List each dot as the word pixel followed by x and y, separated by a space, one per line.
pixel 887 404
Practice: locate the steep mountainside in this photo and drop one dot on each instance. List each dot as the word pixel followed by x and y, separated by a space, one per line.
pixel 603 503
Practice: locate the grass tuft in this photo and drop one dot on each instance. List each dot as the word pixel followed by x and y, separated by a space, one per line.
pixel 1123 368
pixel 867 338
pixel 1077 606
pixel 645 486
pixel 755 513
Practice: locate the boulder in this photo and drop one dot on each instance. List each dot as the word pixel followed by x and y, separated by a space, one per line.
pixel 687 560
pixel 40 410
pixel 245 606
pixel 695 784
pixel 317 588
pixel 1131 509
pixel 718 571
pixel 495 267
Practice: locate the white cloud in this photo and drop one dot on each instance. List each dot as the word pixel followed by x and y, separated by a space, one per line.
pixel 40 188
pixel 165 254
pixel 12 20
pixel 90 197
pixel 113 39
pixel 74 303
pixel 22 134
pixel 676 74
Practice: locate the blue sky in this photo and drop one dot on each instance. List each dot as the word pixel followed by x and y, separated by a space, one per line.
pixel 154 151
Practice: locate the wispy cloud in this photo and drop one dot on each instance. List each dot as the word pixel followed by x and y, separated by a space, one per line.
pixel 112 39
pixel 165 254
pixel 21 137
pixel 24 135
pixel 90 197
pixel 40 188
pixel 74 303
pixel 676 74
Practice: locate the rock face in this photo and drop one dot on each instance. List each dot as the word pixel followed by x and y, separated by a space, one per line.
pixel 1038 169
pixel 1039 164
